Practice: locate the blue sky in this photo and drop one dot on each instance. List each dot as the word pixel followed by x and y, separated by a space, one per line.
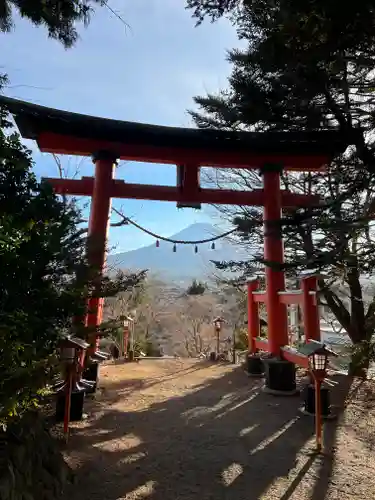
pixel 147 73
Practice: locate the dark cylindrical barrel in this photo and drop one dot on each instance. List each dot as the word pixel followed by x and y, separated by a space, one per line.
pixel 310 400
pixel 255 365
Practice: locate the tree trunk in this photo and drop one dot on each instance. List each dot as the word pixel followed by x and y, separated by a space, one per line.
pixel 360 359
pixel 358 368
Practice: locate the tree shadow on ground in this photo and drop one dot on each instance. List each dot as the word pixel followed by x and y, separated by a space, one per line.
pixel 226 440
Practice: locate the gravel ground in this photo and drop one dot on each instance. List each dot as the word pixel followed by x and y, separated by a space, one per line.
pixel 182 430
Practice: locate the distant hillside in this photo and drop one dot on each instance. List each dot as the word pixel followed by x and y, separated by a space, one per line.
pixel 184 264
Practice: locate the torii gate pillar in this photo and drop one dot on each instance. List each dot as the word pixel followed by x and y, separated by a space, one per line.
pixel 98 231
pixel 277 315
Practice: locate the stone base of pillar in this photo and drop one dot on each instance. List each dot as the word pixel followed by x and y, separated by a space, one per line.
pixel 255 366
pixel 76 406
pixel 91 373
pixel 309 402
pixel 280 377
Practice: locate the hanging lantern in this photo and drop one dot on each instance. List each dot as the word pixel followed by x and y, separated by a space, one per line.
pixel 213 245
pixel 196 249
pixel 174 247
pixel 157 243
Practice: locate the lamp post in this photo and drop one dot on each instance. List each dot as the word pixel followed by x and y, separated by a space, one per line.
pixel 125 324
pixel 68 357
pixel 133 314
pixel 69 353
pixel 128 323
pixel 217 327
pixel 318 364
pixel 234 344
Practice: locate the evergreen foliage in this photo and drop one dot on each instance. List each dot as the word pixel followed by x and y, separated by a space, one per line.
pixel 196 288
pixel 307 66
pixel 45 279
pixel 59 17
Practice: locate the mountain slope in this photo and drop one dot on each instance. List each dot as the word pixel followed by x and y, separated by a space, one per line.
pixel 184 264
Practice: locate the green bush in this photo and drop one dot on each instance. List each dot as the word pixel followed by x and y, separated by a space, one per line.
pixel 41 253
pixel 45 280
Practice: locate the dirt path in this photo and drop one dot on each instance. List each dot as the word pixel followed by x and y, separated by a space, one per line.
pixel 182 430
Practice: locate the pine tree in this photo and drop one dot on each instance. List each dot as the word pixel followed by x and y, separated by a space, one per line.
pixel 309 66
pixel 59 17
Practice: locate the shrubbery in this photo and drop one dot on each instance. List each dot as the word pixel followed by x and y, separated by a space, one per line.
pixel 44 276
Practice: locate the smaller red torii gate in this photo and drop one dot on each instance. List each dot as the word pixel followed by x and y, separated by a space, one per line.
pixel 107 141
pixel 305 297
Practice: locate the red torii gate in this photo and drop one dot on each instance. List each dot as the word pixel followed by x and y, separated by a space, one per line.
pixel 189 149
pixel 305 297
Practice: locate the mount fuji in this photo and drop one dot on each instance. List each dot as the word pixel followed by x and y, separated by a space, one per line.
pixel 184 264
